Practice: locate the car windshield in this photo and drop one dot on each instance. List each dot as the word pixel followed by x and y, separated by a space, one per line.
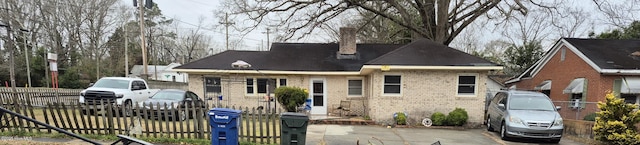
pixel 112 83
pixel 168 95
pixel 531 103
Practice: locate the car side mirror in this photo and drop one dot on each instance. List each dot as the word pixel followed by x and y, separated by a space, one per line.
pixel 150 97
pixel 558 108
pixel 135 88
pixel 501 106
pixel 90 84
pixel 188 99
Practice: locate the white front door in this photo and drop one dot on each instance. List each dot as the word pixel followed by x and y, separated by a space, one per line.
pixel 317 94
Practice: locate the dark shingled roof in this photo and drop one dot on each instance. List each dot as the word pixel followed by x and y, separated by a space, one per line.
pixel 609 53
pixel 294 57
pixel 322 57
pixel 425 52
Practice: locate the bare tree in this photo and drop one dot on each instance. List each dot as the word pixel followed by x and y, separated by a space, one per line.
pixel 440 21
pixel 532 27
pixel 619 13
pixel 571 23
pixel 193 44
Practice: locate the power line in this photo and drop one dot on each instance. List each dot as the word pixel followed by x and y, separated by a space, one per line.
pixel 211 30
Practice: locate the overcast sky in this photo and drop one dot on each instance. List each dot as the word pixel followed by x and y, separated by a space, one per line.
pixel 187 12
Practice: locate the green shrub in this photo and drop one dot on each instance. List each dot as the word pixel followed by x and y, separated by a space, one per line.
pixel 291 97
pixel 457 117
pixel 401 118
pixel 438 119
pixel 615 122
pixel 590 117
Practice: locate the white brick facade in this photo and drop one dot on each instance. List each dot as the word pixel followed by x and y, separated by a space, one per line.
pixel 423 93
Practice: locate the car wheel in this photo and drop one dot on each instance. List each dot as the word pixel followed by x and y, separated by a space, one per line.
pixel 503 132
pixel 489 127
pixel 182 115
pixel 128 108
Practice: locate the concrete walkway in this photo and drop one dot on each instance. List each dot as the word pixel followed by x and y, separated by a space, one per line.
pixel 343 134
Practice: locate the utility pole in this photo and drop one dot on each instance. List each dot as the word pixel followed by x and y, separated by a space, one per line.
pixel 226 24
pixel 26 56
pixel 12 47
pixel 142 40
pixel 126 51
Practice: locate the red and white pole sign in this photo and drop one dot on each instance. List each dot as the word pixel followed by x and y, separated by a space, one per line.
pixel 53 66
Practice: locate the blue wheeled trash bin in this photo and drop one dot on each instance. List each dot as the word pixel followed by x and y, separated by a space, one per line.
pixel 225 124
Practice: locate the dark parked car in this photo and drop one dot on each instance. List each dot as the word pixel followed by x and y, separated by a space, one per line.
pixel 184 102
pixel 524 114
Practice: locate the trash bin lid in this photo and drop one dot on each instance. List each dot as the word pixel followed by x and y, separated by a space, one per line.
pixel 294 115
pixel 225 111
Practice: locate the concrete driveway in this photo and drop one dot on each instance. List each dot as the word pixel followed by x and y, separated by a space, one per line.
pixel 350 135
pixel 377 135
pixel 496 136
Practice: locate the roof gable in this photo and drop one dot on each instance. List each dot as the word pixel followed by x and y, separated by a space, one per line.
pixel 603 55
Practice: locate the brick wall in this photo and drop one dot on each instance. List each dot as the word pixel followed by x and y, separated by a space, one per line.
pixel 233 90
pixel 562 72
pixel 424 93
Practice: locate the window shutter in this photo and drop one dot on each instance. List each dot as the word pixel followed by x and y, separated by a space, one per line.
pixel 617 85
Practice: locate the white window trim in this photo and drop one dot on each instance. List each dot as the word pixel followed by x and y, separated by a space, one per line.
pixel 475 87
pixel 255 85
pixel 361 86
pixel 391 94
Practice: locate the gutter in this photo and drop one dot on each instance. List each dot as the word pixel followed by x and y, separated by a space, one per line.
pixel 619 72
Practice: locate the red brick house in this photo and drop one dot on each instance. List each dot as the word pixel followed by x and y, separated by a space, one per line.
pixel 585 70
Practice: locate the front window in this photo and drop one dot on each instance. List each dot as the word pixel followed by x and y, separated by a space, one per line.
pixel 531 103
pixel 355 87
pixel 112 83
pixel 392 84
pixel 466 85
pixel 259 85
pixel 283 82
pixel 250 86
pixel 262 85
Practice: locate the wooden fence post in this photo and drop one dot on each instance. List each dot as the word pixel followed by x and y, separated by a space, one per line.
pixel 109 118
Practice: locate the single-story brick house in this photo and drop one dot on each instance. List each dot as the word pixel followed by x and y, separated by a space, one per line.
pixel 380 79
pixel 584 70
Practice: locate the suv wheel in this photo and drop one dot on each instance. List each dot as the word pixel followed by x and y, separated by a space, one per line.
pixel 128 108
pixel 489 127
pixel 503 132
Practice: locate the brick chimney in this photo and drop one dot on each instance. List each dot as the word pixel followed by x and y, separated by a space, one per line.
pixel 347 43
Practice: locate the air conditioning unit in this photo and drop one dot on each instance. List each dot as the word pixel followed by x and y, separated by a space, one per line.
pixel 575 103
